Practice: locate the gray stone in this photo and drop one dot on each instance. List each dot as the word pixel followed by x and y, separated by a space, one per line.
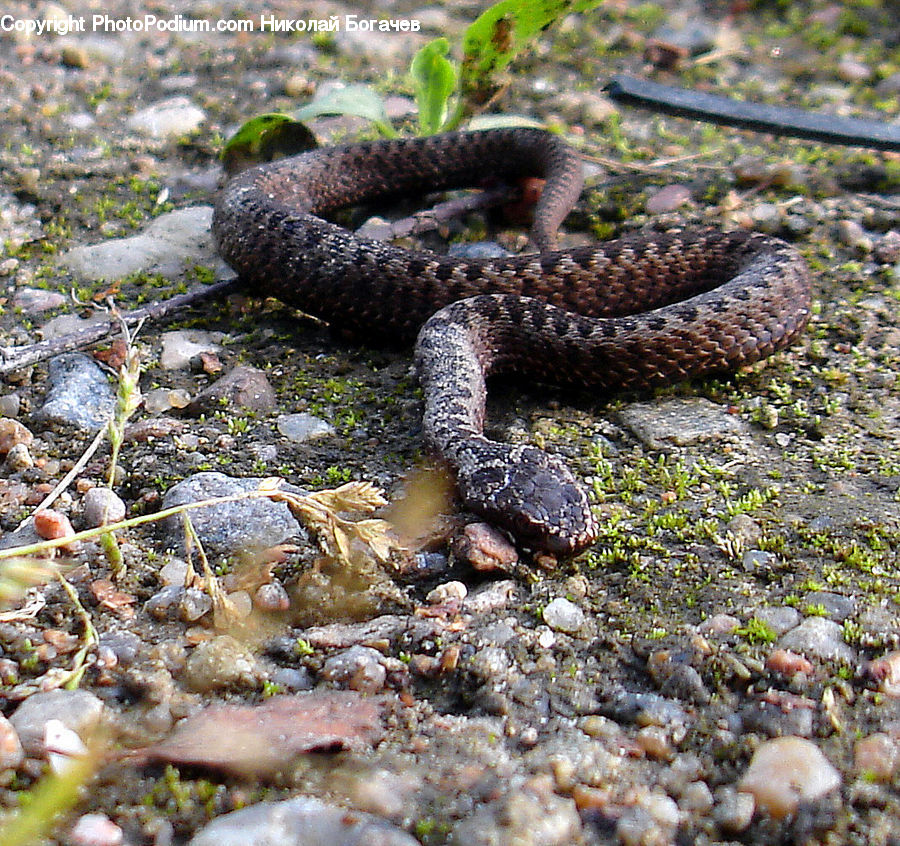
pixel 77 710
pixel 358 668
pixel 241 526
pixel 303 427
pixel 182 346
pixel 78 393
pixel 101 506
pixel 220 663
pixel 301 820
pixel 780 619
pixel 167 118
pixel 563 616
pixel 819 638
pixel 168 245
pixel 679 421
pixel 243 387
pixel 837 607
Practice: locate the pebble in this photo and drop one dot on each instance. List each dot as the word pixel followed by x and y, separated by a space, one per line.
pixel 232 526
pixel 301 820
pixel 746 529
pixel 758 561
pixel 564 616
pixel 101 506
pixel 485 548
pixel 36 300
pixel 837 607
pixel 853 235
pixel 785 772
pixel 886 671
pixel 169 244
pixel 272 597
pixel 788 663
pixel 52 525
pixel 11 752
pixel 780 619
pixel 242 387
pixel 818 638
pixel 358 668
pixel 10 405
pixel 164 604
pixel 696 798
pixel 733 811
pixel 168 118
pixel 18 459
pixel 193 604
pixel 447 592
pixel 851 70
pixel 887 248
pixel 78 710
pixel 95 830
pixel 302 427
pixel 680 421
pixel 62 746
pixel 78 393
pixel 533 816
pixel 183 346
pixel 876 757
pixel 668 199
pixel 220 663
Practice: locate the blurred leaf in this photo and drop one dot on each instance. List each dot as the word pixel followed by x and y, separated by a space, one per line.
pixel 264 138
pixel 358 100
pixel 434 77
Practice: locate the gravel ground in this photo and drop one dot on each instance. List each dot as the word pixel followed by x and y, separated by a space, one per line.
pixel 720 667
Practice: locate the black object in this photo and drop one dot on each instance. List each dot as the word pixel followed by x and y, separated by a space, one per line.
pixel 776 119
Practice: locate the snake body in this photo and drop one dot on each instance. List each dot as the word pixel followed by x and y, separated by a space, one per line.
pixel 636 312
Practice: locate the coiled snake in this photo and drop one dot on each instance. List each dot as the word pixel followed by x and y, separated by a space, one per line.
pixel 631 313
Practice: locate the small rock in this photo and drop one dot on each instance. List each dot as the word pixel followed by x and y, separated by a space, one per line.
pixel 785 772
pixel 193 604
pixel 62 746
pixel 876 757
pixel 887 248
pixel 836 607
pixel 95 830
pixel 101 506
pixel 9 405
pixel 819 638
pixel 164 604
pixel 18 459
pixel 78 393
pixel 485 548
pixel 477 250
pixel 301 427
pixel 73 56
pixel 243 387
pixel 850 70
pixel 167 118
pixel 220 663
pixel 564 616
pixel 758 561
pixel 183 346
pixel 52 525
pixel 78 710
pixel 241 526
pixel 169 244
pixel 719 625
pixel 358 668
pixel 301 820
pixel 36 300
pixel 853 235
pixel 681 421
pixel 733 811
pixel 779 619
pixel 788 663
pixel 668 199
pixel 746 529
pixel 696 798
pixel 886 671
pixel 766 217
pixel 272 597
pixel 11 752
pixel 446 592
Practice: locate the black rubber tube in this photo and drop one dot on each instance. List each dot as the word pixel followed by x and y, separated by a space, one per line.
pixel 762 118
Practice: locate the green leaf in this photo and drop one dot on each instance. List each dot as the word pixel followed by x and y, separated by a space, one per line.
pixel 357 100
pixel 498 35
pixel 264 138
pixel 434 78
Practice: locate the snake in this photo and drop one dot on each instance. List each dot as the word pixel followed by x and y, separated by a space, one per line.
pixel 646 309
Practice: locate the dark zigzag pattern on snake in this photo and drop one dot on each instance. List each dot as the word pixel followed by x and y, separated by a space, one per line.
pixel 627 314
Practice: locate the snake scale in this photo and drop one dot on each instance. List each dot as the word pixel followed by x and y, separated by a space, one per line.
pixel 631 313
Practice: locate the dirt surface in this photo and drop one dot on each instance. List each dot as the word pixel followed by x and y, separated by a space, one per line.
pixel 728 506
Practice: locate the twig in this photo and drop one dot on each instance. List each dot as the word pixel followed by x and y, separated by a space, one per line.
pixel 15 358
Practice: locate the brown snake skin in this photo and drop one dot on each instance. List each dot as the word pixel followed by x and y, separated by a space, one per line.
pixel 632 313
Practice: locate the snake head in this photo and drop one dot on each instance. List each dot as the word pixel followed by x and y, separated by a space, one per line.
pixel 532 495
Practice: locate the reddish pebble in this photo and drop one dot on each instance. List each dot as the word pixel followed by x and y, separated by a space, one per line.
pixel 886 671
pixel 51 525
pixel 788 663
pixel 12 433
pixel 485 548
